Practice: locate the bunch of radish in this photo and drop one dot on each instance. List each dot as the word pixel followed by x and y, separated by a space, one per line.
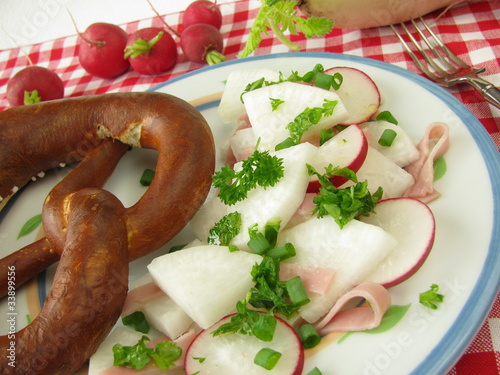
pixel 204 284
pixel 106 51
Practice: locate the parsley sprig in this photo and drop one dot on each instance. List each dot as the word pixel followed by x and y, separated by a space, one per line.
pixel 139 355
pixel 280 16
pixel 431 297
pixel 259 169
pixel 343 204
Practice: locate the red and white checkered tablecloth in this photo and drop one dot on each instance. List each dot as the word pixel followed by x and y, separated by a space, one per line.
pixel 472 31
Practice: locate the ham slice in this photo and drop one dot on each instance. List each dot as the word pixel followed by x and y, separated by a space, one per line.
pixel 434 144
pixel 315 279
pixel 137 297
pixel 357 318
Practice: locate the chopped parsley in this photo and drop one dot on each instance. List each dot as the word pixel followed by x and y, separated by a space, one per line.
pixel 431 297
pixel 259 169
pixel 225 229
pixel 275 103
pixel 138 321
pixel 343 204
pixel 138 356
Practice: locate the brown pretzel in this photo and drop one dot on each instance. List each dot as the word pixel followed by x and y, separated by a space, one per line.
pixel 42 136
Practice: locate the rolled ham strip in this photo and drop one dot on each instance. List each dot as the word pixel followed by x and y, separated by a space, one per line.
pixel 357 318
pixel 434 144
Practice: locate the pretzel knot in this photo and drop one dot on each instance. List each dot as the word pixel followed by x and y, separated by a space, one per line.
pixel 88 228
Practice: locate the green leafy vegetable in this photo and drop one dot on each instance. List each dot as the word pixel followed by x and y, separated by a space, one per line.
pixel 139 355
pixel 344 204
pixel 30 225
pixel 137 320
pixel 308 118
pixel 431 297
pixel 387 116
pixel 275 103
pixel 260 169
pixel 225 229
pixel 281 16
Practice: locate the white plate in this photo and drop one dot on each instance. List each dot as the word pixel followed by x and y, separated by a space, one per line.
pixel 465 260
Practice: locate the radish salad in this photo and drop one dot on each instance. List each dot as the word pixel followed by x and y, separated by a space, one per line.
pixel 323 202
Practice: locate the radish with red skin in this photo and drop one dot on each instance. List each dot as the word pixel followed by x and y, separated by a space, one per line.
pixel 202 11
pixel 151 51
pixel 347 149
pixel 358 92
pixel 101 50
pixel 412 223
pixel 202 43
pixel 234 353
pixel 46 82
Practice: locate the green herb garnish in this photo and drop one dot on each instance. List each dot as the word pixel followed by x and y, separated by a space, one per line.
pixel 137 320
pixel 431 297
pixel 139 355
pixel 259 169
pixel 147 177
pixel 275 103
pixel 387 116
pixel 281 16
pixel 267 358
pixel 30 225
pixel 225 229
pixel 343 204
pixel 387 137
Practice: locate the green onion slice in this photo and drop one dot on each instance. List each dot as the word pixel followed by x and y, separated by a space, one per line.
pixel 267 358
pixel 308 335
pixel 147 177
pixel 387 137
pixel 296 291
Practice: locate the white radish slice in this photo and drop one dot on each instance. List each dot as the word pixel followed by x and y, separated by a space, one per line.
pixel 379 170
pixel 358 92
pixel 262 205
pixel 352 252
pixel 231 106
pixel 195 277
pixel 270 124
pixel 348 149
pixel 402 151
pixel 412 223
pixel 234 353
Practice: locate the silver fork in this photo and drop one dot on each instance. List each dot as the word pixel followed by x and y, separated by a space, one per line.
pixel 443 66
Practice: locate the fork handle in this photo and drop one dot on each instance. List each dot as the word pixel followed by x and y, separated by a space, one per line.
pixel 487 90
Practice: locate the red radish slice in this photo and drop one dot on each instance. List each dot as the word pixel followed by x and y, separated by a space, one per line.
pixel 234 353
pixel 346 149
pixel 412 223
pixel 358 92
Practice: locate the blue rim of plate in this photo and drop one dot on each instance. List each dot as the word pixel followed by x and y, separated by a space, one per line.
pixel 470 318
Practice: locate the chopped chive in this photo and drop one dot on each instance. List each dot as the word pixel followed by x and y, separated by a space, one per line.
pixel 138 321
pixel 296 291
pixel 147 177
pixel 387 137
pixel 267 358
pixel 258 242
pixel 308 335
pixel 282 252
pixel 289 142
pixel 387 116
pixel 271 231
pixel 264 327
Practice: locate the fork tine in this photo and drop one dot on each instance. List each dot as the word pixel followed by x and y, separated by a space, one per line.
pixel 427 58
pixel 440 43
pixel 415 59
